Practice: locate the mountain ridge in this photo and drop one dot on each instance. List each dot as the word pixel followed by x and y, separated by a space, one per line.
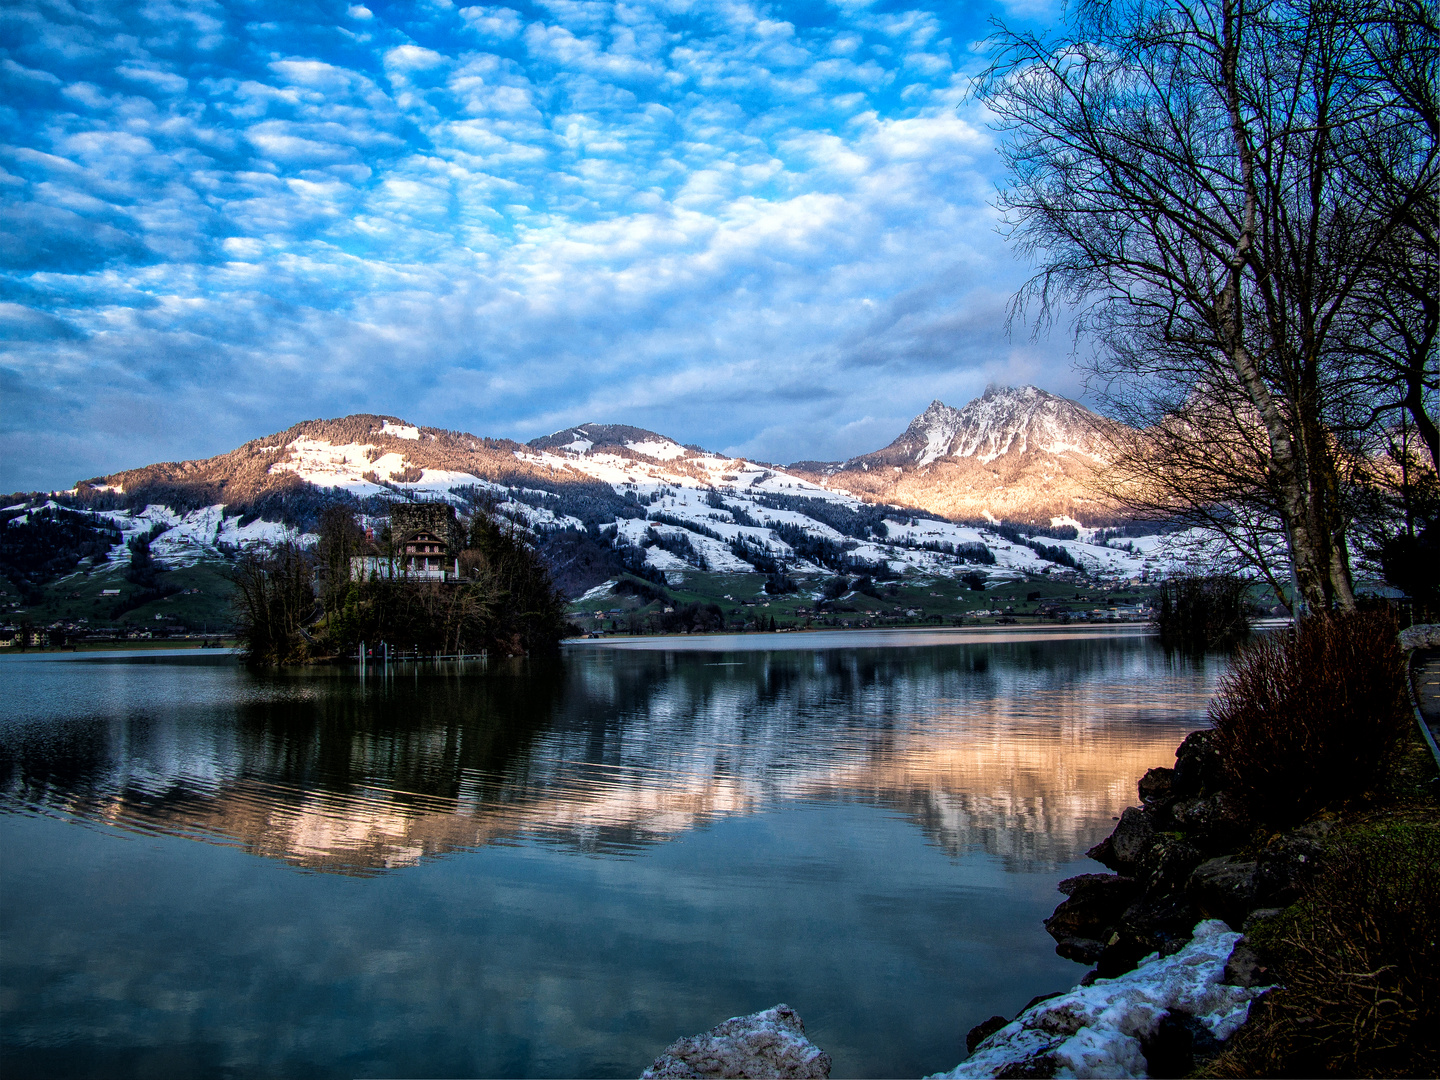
pixel 1014 454
pixel 605 498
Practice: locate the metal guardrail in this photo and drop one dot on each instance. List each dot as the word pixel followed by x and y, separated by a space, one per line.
pixel 365 659
pixel 1424 724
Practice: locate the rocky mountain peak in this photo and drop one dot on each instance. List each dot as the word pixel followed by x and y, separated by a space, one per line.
pixel 1007 419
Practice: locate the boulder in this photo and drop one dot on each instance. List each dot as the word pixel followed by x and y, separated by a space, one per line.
pixel 1122 849
pixel 1288 864
pixel 1082 950
pixel 1111 888
pixel 982 1031
pixel 1132 836
pixel 1420 636
pixel 1198 768
pixel 771 1043
pixel 1166 864
pixel 1157 785
pixel 1096 902
pixel 1224 888
pixel 1246 967
pixel 1213 822
pixel 1152 924
pixel 1260 916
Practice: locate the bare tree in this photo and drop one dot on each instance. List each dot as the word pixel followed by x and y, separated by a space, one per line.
pixel 1185 176
pixel 1396 173
pixel 274 599
pixel 341 539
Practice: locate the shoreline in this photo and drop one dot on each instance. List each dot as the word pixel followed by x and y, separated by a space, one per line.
pixel 872 637
pixel 154 652
pixel 1169 995
pixel 876 637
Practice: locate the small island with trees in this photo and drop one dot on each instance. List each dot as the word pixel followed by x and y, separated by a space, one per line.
pixel 426 582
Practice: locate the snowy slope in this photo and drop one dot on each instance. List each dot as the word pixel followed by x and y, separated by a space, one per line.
pixel 637 487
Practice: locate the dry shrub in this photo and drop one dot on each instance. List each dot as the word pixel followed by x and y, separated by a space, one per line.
pixel 1310 717
pixel 1359 961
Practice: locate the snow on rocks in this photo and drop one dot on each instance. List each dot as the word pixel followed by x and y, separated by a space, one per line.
pixel 768 1043
pixel 1097 1030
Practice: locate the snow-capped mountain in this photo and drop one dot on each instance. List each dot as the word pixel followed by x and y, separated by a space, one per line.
pixel 644 498
pixel 1001 421
pixel 1017 454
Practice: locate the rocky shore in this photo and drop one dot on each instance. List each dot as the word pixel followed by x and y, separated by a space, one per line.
pixel 1176 861
pixel 1156 1020
pixel 1172 977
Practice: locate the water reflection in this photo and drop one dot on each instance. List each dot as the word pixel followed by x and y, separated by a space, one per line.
pixel 1022 746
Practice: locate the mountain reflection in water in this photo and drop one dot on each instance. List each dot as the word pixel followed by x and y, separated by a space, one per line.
pixel 1020 746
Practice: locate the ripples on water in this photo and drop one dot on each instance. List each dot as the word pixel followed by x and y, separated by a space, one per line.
pixel 1004 756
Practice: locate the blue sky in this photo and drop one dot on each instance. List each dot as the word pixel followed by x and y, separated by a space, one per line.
pixel 762 228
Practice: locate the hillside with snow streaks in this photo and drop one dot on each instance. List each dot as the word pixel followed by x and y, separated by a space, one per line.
pixel 678 507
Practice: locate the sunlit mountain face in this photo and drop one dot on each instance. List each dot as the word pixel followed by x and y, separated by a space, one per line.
pixel 1024 747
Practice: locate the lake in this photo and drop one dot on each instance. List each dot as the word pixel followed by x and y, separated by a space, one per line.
pixel 527 868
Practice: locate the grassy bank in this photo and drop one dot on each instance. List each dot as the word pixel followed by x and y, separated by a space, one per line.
pixel 1357 957
pixel 1317 738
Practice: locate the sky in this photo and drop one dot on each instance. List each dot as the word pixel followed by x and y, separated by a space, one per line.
pixel 766 229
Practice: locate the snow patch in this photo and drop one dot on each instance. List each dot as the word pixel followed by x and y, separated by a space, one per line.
pixel 400 431
pixel 660 450
pixel 1096 1030
pixel 599 592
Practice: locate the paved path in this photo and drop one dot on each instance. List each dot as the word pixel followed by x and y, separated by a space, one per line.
pixel 1425 676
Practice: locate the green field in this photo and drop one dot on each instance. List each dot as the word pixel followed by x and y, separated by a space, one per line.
pixel 198 601
pixel 905 602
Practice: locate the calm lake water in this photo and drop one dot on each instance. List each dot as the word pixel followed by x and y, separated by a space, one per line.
pixel 555 869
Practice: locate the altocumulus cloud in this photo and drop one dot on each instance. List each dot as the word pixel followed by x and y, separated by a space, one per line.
pixel 762 228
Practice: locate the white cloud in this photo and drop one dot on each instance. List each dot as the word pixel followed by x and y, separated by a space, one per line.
pixel 414 58
pixel 500 23
pixel 10 67
pixel 165 81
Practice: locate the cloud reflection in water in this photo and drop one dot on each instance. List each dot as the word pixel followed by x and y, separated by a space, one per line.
pixel 1021 747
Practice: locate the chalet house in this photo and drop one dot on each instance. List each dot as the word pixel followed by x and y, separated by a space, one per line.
pixel 427 540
